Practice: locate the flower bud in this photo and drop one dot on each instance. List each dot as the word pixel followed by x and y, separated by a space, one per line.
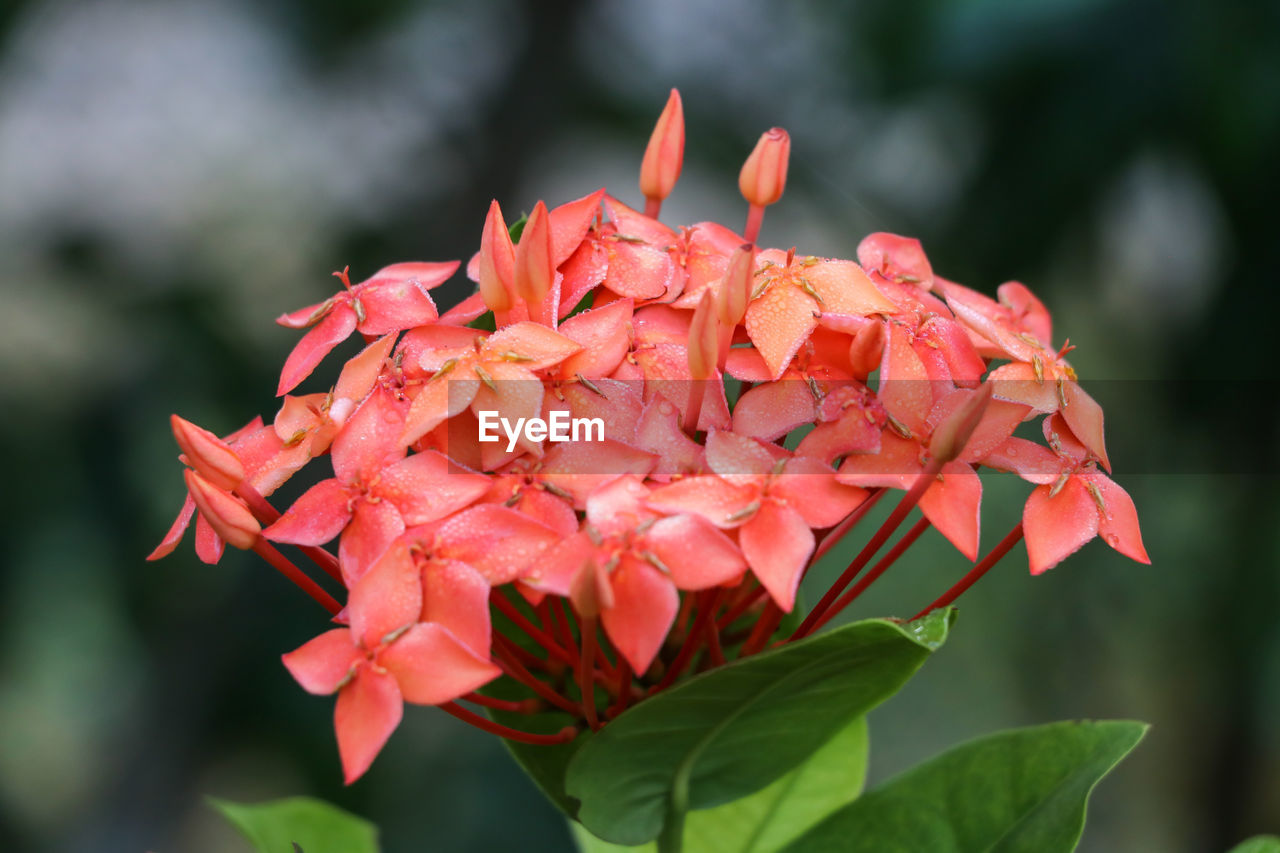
pixel 208 454
pixel 735 288
pixel 867 348
pixel 497 261
pixel 764 175
pixel 664 157
pixel 535 267
pixel 950 436
pixel 591 591
pixel 228 517
pixel 704 339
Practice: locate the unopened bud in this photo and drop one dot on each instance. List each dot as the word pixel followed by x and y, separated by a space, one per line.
pixel 664 157
pixel 764 175
pixel 535 267
pixel 591 591
pixel 867 348
pixel 735 288
pixel 497 261
pixel 228 517
pixel 207 453
pixel 704 339
pixel 950 436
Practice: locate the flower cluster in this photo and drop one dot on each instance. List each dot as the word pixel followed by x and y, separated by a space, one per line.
pixel 743 436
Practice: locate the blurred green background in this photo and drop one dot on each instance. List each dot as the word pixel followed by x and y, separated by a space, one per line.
pixel 173 175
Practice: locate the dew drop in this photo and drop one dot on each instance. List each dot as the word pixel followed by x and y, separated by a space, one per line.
pixel 1112 539
pixel 1013 451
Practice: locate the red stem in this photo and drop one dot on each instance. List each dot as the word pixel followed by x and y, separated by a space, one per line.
pixel 267 515
pixel 763 630
pixel 566 734
pixel 835 534
pixel 587 671
pixel 900 512
pixel 280 563
pixel 997 554
pixel 908 539
pixel 652 207
pixel 624 687
pixel 541 637
pixel 512 667
pixel 743 605
pixel 692 640
pixel 521 706
pixel 755 217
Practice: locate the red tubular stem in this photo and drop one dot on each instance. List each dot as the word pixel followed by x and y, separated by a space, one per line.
pixel 512 667
pixel 624 687
pixel 566 734
pixel 996 555
pixel 561 616
pixel 692 640
pixel 763 630
pixel 280 563
pixel 543 639
pixel 267 515
pixel 835 534
pixel 900 512
pixel 521 706
pixel 755 218
pixel 741 607
pixel 908 539
pixel 587 672
pixel 652 207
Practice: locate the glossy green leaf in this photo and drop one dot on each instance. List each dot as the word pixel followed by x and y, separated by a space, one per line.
pixel 730 732
pixel 767 820
pixel 313 825
pixel 1258 844
pixel 1021 790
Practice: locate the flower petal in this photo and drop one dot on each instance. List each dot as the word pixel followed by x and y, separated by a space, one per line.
pixel 456 596
pixel 953 506
pixel 809 486
pixel 368 710
pixel 777 544
pixel 499 543
pixel 321 664
pixel 1058 526
pixel 698 554
pixel 335 328
pixel 779 321
pixel 432 667
pixel 317 516
pixel 716 500
pixel 387 597
pixel 644 608
pixel 429 485
pixel 1118 519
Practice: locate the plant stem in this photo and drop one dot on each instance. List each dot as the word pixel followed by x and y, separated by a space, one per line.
pixel 996 555
pixel 541 637
pixel 900 512
pixel 280 563
pixel 908 539
pixel 566 734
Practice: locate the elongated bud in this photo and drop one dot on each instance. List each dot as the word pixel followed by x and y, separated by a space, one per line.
pixel 228 517
pixel 208 454
pixel 665 155
pixel 950 436
pixel 497 262
pixel 591 591
pixel 704 339
pixel 867 348
pixel 764 175
pixel 535 267
pixel 735 289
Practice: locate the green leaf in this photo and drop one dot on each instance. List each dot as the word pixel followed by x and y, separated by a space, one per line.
pixel 731 731
pixel 767 820
pixel 313 825
pixel 1021 790
pixel 1258 844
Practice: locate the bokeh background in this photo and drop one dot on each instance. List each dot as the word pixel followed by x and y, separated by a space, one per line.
pixel 174 174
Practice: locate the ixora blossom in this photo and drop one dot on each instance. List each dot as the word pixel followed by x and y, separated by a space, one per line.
pixel 746 408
